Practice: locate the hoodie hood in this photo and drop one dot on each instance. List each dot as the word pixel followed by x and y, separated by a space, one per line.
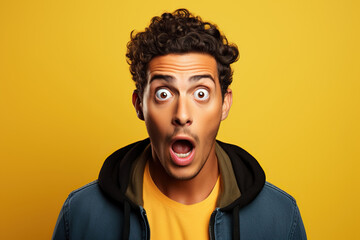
pixel 238 169
pixel 250 177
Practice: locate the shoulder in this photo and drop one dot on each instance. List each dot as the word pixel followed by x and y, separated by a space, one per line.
pixel 272 201
pixel 275 212
pixel 89 199
pixel 91 189
pixel 274 194
pixel 86 212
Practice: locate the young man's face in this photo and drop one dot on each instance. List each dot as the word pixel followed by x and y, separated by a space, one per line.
pixel 182 107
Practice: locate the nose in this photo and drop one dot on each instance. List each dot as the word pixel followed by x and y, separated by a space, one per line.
pixel 182 113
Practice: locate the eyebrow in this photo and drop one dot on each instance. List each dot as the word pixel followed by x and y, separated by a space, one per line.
pixel 169 78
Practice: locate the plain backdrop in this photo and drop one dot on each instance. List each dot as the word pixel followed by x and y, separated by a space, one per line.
pixel 65 101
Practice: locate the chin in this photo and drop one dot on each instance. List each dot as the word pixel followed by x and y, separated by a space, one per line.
pixel 183 173
pixel 183 177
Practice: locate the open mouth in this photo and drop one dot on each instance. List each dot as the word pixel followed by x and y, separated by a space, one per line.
pixel 182 152
pixel 182 148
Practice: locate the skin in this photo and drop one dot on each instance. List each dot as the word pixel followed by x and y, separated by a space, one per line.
pixel 183 100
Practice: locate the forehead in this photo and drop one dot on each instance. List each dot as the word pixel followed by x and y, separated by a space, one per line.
pixel 183 64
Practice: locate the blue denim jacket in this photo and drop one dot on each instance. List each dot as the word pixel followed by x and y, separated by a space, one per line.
pixel 89 214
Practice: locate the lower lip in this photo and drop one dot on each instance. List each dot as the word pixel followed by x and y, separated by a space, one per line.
pixel 182 161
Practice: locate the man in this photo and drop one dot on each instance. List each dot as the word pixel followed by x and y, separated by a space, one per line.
pixel 181 183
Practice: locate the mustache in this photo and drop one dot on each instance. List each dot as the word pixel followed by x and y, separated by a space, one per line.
pixel 184 131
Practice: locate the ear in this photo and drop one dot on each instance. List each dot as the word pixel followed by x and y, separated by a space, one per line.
pixel 226 104
pixel 136 101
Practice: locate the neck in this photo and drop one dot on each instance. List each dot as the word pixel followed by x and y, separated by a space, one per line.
pixel 189 191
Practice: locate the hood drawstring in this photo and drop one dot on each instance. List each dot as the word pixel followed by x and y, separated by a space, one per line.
pixel 236 223
pixel 126 223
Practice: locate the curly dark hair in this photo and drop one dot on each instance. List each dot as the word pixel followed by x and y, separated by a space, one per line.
pixel 179 32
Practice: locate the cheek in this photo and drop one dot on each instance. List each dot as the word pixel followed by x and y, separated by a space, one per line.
pixel 209 122
pixel 156 121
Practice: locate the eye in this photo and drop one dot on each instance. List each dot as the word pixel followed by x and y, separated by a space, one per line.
pixel 163 94
pixel 201 94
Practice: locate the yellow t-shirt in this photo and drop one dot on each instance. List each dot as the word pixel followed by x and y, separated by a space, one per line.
pixel 169 219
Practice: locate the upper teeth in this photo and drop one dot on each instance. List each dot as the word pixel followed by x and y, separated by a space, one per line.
pixel 183 155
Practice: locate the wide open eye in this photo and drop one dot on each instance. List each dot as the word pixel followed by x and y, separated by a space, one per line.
pixel 163 94
pixel 201 94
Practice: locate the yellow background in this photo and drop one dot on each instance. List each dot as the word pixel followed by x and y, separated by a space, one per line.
pixel 65 101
